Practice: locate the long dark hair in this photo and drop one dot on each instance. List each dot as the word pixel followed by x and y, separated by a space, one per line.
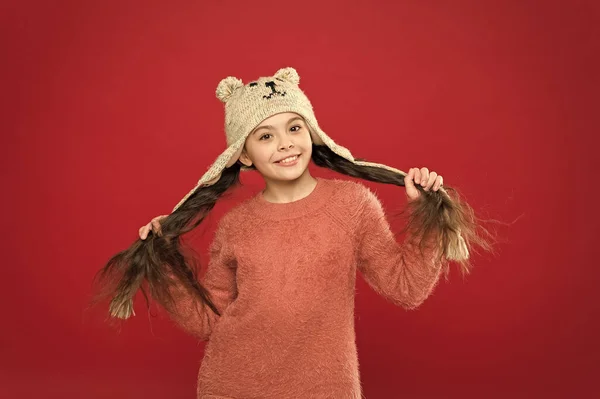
pixel 158 263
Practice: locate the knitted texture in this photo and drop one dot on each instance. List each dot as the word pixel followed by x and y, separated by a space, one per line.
pixel 286 289
pixel 246 106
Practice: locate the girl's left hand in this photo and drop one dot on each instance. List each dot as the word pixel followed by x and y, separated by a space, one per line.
pixel 424 178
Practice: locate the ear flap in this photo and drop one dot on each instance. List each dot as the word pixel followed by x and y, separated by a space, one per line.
pixel 289 74
pixel 227 87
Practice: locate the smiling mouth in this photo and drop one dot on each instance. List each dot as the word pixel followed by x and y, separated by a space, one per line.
pixel 297 156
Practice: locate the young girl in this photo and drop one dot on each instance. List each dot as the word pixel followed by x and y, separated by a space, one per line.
pixel 276 304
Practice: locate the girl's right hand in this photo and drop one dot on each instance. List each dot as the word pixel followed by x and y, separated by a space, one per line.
pixel 154 225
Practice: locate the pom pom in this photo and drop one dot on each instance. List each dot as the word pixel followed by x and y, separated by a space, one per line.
pixel 289 74
pixel 227 87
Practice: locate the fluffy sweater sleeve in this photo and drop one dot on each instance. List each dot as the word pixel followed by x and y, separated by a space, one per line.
pixel 396 271
pixel 189 312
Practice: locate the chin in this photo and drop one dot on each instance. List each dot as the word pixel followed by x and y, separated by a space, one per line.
pixel 290 175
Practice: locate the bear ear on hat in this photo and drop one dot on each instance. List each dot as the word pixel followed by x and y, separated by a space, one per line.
pixel 227 87
pixel 288 74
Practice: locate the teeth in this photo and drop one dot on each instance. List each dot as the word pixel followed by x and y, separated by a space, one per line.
pixel 290 159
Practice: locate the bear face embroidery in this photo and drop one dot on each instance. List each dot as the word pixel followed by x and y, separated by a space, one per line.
pixel 230 85
pixel 274 92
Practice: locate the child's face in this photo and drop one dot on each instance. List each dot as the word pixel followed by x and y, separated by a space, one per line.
pixel 277 137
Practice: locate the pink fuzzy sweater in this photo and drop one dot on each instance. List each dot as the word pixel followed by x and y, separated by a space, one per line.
pixel 283 277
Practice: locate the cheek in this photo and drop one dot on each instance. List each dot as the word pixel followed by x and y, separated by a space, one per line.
pixel 264 153
pixel 307 140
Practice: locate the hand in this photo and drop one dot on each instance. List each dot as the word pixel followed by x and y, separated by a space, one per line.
pixel 154 225
pixel 422 177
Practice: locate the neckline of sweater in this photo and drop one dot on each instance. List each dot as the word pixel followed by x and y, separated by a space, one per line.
pixel 319 196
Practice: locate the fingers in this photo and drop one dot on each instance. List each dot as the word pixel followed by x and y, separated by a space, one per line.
pixel 430 180
pixel 144 231
pixel 425 178
pixel 421 176
pixel 417 176
pixel 154 225
pixel 438 183
pixel 410 178
pixel 156 222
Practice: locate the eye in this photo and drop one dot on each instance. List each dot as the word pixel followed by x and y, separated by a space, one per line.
pixel 293 127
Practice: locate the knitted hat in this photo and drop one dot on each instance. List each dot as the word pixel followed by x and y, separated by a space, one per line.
pixel 246 106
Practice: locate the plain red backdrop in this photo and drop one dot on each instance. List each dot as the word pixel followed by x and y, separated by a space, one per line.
pixel 109 118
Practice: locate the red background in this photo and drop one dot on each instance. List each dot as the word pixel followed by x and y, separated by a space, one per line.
pixel 109 118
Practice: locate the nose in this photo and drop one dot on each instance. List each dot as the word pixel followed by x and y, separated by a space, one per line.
pixel 270 85
pixel 286 143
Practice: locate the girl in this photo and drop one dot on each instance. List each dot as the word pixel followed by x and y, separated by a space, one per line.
pixel 276 304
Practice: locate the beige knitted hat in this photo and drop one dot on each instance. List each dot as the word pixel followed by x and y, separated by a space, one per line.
pixel 246 106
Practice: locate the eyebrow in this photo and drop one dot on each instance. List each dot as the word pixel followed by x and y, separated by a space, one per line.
pixel 271 127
